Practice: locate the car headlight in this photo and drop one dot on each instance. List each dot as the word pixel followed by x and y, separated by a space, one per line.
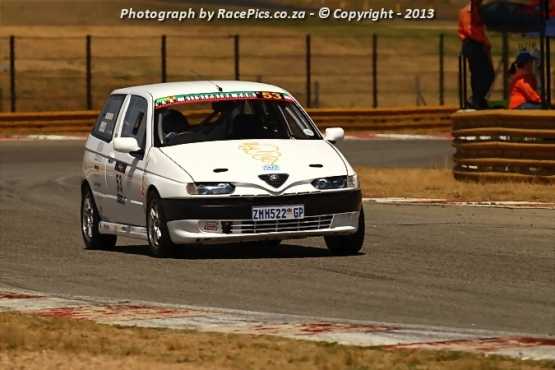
pixel 352 181
pixel 210 188
pixel 336 182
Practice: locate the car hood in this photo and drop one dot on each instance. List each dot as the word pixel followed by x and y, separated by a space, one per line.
pixel 245 160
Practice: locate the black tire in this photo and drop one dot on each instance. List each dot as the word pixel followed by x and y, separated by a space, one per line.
pixel 271 243
pixel 158 236
pixel 346 245
pixel 90 218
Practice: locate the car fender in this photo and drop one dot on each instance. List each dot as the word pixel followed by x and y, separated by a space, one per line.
pixel 348 167
pixel 162 173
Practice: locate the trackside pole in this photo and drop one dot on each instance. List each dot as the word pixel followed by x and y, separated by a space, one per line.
pixel 545 8
pixel 12 73
pixel 547 58
pixel 308 57
pixel 88 73
pixel 465 82
pixel 375 70
pixel 236 53
pixel 505 59
pixel 548 80
pixel 163 61
pixel 459 80
pixel 442 69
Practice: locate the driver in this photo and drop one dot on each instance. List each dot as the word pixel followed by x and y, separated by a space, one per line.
pixel 222 112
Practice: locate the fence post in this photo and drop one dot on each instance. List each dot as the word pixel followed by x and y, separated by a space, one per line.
pixel 505 60
pixel 12 73
pixel 548 80
pixel 316 94
pixel 460 84
pixel 88 73
pixel 375 70
pixel 465 80
pixel 442 69
pixel 163 71
pixel 308 71
pixel 546 62
pixel 237 56
pixel 542 74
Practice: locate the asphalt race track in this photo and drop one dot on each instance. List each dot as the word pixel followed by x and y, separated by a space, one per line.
pixel 449 266
pixel 399 153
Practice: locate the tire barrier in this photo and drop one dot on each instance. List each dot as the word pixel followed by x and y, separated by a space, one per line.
pixel 427 118
pixel 504 145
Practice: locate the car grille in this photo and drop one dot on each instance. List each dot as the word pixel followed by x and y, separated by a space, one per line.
pixel 306 224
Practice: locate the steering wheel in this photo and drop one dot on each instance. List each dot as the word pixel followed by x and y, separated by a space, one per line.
pixel 169 137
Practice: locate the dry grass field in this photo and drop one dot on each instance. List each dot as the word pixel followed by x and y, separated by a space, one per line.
pixel 50 53
pixel 440 184
pixel 51 67
pixel 33 342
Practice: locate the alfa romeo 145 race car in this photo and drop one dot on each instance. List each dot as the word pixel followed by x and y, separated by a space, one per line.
pixel 213 162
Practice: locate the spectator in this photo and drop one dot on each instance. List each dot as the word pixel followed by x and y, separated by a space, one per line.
pixel 477 49
pixel 523 92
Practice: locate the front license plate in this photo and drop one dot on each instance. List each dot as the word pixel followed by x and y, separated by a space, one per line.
pixel 275 213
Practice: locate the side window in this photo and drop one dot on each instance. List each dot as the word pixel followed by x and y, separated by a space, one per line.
pixel 104 127
pixel 134 123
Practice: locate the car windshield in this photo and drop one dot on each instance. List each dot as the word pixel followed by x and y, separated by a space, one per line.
pixel 181 121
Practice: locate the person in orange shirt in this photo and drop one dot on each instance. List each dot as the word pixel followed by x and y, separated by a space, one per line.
pixel 523 92
pixel 477 49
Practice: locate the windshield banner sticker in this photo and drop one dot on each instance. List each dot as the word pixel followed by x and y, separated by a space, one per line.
pixel 220 96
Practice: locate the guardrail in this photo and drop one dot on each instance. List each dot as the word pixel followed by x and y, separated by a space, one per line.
pixel 496 145
pixel 427 118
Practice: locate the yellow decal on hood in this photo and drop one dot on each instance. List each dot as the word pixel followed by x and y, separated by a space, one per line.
pixel 265 153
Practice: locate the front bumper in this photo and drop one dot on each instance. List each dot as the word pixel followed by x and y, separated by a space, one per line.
pixel 228 219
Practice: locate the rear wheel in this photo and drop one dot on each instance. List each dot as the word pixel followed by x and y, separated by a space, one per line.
pixel 157 230
pixel 271 243
pixel 90 220
pixel 344 245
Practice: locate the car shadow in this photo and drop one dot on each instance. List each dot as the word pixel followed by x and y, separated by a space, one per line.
pixel 234 251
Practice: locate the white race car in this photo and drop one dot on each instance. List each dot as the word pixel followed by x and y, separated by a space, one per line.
pixel 213 162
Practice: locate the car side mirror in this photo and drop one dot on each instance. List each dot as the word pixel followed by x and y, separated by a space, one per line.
pixel 334 134
pixel 126 145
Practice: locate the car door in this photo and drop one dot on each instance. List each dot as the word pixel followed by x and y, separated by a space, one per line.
pixel 125 171
pixel 97 147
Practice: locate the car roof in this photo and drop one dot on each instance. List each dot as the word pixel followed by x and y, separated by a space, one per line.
pixel 163 90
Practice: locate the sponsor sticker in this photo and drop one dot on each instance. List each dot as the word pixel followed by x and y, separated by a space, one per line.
pixel 220 96
pixel 266 153
pixel 120 167
pixel 270 167
pixel 102 127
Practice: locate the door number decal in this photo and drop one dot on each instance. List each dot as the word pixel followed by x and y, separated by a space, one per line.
pixel 120 168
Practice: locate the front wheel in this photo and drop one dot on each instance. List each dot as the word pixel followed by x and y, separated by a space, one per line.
pixel 345 245
pixel 271 243
pixel 157 230
pixel 90 220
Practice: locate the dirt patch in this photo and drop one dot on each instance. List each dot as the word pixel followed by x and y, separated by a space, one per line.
pixel 33 342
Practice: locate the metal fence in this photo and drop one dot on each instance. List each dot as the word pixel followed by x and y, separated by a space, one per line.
pixel 72 73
